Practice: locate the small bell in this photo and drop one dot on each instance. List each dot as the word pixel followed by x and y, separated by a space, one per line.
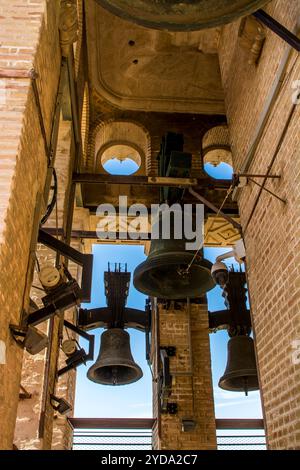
pixel 241 373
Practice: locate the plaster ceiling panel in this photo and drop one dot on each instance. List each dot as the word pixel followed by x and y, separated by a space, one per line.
pixel 136 68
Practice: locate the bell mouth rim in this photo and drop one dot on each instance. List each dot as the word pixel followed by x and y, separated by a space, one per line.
pixel 168 23
pixel 249 373
pixel 185 258
pixel 137 368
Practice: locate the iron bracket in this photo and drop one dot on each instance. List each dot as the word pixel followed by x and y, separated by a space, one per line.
pixel 86 261
pixel 62 406
pixel 165 381
pixel 101 317
pixel 170 350
pixel 216 210
pixel 237 182
pixel 80 356
pixel 60 299
pixel 24 395
pixel 278 29
pixel 236 317
pixel 172 408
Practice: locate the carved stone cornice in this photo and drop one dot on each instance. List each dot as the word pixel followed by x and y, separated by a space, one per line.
pixel 252 37
pixel 68 25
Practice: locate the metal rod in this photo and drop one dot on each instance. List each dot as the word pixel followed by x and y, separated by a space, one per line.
pixel 215 209
pixel 267 190
pixel 91 234
pixel 40 115
pixel 278 148
pixel 239 424
pixel 76 147
pixel 278 29
pixel 90 178
pixel 112 423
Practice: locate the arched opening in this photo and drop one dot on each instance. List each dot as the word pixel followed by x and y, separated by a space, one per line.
pixel 121 160
pixel 216 151
pixel 222 171
pixel 117 140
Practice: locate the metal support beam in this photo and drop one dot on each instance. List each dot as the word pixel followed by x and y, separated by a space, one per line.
pixel 268 191
pixel 278 29
pixel 83 357
pixel 101 317
pixel 239 424
pixel 86 261
pixel 112 423
pixel 148 423
pixel 205 182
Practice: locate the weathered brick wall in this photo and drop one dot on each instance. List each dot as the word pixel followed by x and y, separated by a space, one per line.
pixel 35 415
pixel 38 427
pixel 186 329
pixel 272 236
pixel 28 38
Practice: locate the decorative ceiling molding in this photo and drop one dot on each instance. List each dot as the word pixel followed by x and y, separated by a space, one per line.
pixel 68 25
pixel 141 69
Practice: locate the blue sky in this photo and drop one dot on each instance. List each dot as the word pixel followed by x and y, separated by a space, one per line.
pixel 135 400
pixel 93 400
pixel 118 167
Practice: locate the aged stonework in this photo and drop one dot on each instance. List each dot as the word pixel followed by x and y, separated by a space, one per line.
pixel 80 85
pixel 185 327
pixel 272 232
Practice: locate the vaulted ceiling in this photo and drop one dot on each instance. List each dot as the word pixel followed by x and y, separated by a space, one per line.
pixel 136 68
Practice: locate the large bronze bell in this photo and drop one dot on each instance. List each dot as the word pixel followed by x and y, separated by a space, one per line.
pixel 181 15
pixel 241 372
pixel 164 274
pixel 115 364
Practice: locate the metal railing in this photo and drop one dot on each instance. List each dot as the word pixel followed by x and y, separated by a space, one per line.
pixel 113 440
pixel 136 434
pixel 241 434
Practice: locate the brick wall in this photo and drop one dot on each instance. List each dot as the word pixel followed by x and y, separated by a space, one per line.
pixel 193 127
pixel 272 236
pixel 27 40
pixel 186 329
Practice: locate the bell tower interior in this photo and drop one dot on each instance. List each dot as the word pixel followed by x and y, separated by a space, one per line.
pixel 170 129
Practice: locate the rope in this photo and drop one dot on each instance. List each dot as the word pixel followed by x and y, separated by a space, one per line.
pixel 184 272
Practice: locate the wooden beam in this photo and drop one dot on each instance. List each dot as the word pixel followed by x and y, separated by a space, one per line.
pixel 91 178
pixel 239 424
pixel 147 423
pixel 111 423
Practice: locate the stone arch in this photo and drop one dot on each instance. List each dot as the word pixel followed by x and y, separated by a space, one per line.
pixel 85 123
pixel 216 146
pixel 137 155
pixel 107 133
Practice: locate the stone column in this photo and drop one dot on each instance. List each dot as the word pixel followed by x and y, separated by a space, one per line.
pixel 185 327
pixel 23 166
